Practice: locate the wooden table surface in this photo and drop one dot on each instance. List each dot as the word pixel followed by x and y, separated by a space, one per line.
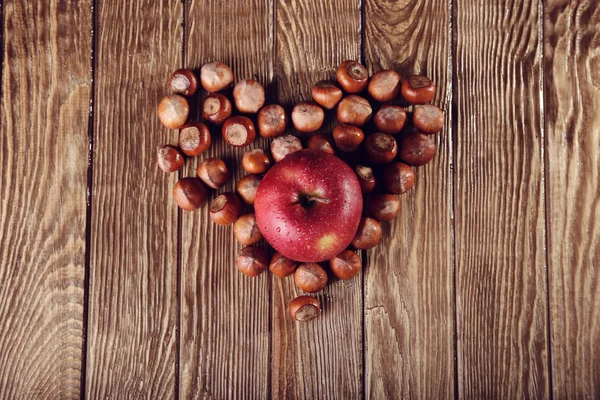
pixel 486 286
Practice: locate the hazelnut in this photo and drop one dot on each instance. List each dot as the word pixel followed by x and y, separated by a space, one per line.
pixel 320 142
pixel 238 131
pixel 381 148
pixel 383 207
pixel 256 161
pixel 169 158
pixel 194 139
pixel 249 96
pixel 272 121
pixel 216 108
pixel 213 172
pixel 429 119
pixel 307 117
pixel 215 76
pixel 326 94
pixel 347 138
pixel 173 111
pixel 247 187
pixel 225 209
pixel 284 145
pixel 305 308
pixel 352 76
pixel 346 265
pixel 310 277
pixel 384 85
pixel 398 178
pixel 282 266
pixel 252 261
pixel 184 82
pixel 354 110
pixel 189 194
pixel 418 89
pixel 416 149
pixel 246 230
pixel 366 178
pixel 390 119
pixel 368 234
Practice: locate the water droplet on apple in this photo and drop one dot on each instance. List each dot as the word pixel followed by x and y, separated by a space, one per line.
pixel 278 229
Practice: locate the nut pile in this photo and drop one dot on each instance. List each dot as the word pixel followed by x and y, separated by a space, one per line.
pixel 392 131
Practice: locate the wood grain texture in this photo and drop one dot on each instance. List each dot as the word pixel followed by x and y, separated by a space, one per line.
pixel 132 335
pixel 321 358
pixel 572 98
pixel 499 202
pixel 409 299
pixel 46 83
pixel 224 314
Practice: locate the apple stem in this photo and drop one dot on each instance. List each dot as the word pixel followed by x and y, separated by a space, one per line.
pixel 318 199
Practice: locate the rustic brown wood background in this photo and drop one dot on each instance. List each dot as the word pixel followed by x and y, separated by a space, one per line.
pixel 486 286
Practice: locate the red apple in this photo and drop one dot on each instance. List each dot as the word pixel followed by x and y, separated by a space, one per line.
pixel 308 206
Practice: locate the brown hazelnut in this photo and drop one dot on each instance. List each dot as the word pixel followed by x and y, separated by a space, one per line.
pixel 216 108
pixel 247 187
pixel 381 148
pixel 352 76
pixel 173 111
pixel 320 142
pixel 398 178
pixel 347 138
pixel 326 94
pixel 256 161
pixel 284 145
pixel 307 117
pixel 194 139
pixel 238 131
pixel 246 230
pixel 368 234
pixel 354 110
pixel 390 119
pixel 249 96
pixel 225 209
pixel 252 261
pixel 215 76
pixel 366 178
pixel 189 194
pixel 169 158
pixel 310 277
pixel 213 172
pixel 416 149
pixel 183 82
pixel 272 121
pixel 305 308
pixel 418 89
pixel 282 266
pixel 428 118
pixel 383 207
pixel 384 85
pixel 346 265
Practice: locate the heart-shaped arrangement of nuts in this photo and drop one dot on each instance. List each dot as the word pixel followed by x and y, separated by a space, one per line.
pixel 308 203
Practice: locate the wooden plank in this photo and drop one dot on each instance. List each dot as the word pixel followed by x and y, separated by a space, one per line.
pixel 572 98
pixel 499 202
pixel 321 358
pixel 409 298
pixel 132 335
pixel 224 314
pixel 46 84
